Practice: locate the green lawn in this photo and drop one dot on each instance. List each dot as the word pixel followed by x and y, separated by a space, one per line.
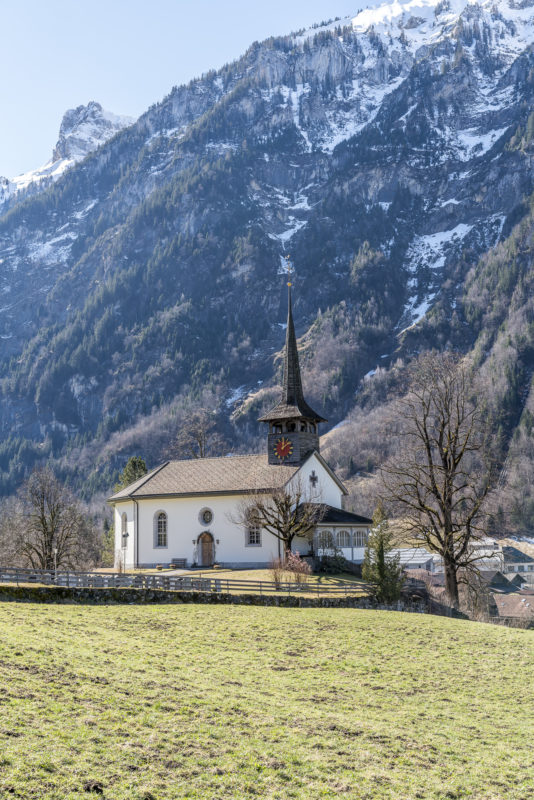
pixel 267 575
pixel 171 702
pixel 317 581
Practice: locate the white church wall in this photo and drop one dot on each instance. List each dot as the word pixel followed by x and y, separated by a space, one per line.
pixel 326 489
pixel 124 555
pixel 184 526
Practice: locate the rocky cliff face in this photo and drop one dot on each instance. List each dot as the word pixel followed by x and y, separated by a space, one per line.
pixel 85 128
pixel 82 130
pixel 387 153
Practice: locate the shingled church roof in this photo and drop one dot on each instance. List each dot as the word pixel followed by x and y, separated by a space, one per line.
pixel 292 403
pixel 226 475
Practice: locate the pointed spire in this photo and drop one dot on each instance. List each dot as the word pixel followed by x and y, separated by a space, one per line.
pixel 292 382
pixel 292 403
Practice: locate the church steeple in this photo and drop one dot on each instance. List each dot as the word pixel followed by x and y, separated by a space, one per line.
pixel 292 422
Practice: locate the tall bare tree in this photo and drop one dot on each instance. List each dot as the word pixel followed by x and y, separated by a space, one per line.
pixel 198 437
pixel 287 513
pixel 440 479
pixel 48 527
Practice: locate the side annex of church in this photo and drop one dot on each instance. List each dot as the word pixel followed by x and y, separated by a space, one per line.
pixel 189 511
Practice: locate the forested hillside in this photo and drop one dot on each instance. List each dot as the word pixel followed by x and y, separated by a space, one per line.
pixel 391 155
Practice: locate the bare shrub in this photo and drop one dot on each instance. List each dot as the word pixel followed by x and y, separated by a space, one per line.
pixel 298 568
pixel 276 568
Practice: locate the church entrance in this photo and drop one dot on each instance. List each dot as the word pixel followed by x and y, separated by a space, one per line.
pixel 206 549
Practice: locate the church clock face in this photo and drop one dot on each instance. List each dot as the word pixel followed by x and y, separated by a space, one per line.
pixel 283 448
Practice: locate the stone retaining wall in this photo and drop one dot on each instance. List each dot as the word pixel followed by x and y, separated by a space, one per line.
pixel 60 594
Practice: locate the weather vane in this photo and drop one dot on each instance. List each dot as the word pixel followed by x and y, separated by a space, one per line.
pixel 289 268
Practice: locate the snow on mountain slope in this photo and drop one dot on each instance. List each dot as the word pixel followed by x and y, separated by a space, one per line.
pixel 82 130
pixel 395 35
pixel 422 23
pixel 386 152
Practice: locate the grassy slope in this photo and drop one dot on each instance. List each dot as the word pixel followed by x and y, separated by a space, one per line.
pixel 237 702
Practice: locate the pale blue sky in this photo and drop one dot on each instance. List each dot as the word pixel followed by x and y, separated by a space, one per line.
pixel 126 54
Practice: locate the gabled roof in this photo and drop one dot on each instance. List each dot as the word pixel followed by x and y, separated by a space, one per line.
pixel 495 579
pixel 411 555
pixel 514 605
pixel 132 488
pixel 226 475
pixel 328 515
pixel 491 577
pixel 514 556
pixel 292 402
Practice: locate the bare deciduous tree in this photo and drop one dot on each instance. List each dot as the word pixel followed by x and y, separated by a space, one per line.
pixel 286 513
pixel 440 480
pixel 198 438
pixel 47 527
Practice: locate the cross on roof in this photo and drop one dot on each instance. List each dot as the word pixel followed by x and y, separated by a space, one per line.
pixel 313 479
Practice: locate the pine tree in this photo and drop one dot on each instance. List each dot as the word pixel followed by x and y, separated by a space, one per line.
pixel 380 568
pixel 135 468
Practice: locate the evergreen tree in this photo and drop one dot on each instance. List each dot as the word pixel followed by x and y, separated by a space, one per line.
pixel 380 568
pixel 135 468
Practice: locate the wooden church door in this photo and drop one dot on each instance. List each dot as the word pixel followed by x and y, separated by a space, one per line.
pixel 206 550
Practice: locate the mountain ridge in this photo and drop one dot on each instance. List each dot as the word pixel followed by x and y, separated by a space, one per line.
pixel 155 265
pixel 82 130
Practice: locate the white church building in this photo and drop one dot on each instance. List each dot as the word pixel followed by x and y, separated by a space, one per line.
pixel 188 512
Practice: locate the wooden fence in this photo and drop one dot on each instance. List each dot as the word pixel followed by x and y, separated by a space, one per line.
pixel 179 583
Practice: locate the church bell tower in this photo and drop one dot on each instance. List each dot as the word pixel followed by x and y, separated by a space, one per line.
pixel 293 425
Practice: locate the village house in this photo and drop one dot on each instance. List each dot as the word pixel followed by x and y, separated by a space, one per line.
pixel 187 512
pixel 516 562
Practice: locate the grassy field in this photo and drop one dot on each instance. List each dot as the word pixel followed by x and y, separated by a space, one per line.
pixel 319 582
pixel 267 575
pixel 158 702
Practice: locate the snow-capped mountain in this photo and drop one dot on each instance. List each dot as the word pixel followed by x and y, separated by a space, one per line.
pixel 82 130
pixel 388 153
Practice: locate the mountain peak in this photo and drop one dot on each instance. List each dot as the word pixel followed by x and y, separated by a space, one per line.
pixel 84 128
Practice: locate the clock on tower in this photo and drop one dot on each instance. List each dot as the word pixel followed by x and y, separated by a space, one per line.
pixel 293 432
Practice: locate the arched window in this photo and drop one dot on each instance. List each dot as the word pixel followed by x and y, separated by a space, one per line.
pixel 124 529
pixel 360 538
pixel 253 536
pixel 343 539
pixel 160 529
pixel 253 530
